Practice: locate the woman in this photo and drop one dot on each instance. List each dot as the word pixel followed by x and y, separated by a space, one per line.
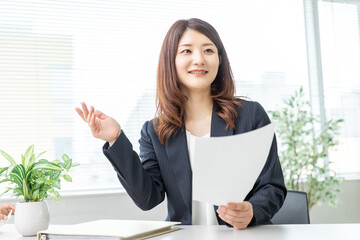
pixel 5 210
pixel 195 98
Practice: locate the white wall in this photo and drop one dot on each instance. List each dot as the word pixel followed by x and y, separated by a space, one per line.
pixel 76 209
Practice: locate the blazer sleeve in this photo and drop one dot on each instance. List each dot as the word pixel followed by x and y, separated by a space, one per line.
pixel 141 178
pixel 269 191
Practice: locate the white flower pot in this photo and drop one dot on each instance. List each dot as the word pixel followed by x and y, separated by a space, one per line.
pixel 31 217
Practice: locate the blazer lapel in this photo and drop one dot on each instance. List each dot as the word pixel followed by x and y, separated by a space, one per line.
pixel 218 126
pixel 178 156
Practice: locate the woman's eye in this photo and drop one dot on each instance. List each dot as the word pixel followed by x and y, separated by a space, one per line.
pixel 186 51
pixel 209 50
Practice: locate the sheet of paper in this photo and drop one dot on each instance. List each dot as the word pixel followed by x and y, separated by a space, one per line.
pixel 226 168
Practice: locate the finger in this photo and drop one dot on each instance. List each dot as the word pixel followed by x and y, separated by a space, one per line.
pixel 243 206
pixel 90 114
pixel 100 115
pixel 240 226
pixel 10 207
pixel 228 217
pixel 236 225
pixel 222 217
pixel 92 121
pixel 85 110
pixel 222 209
pixel 81 114
pixel 235 215
pixel 238 216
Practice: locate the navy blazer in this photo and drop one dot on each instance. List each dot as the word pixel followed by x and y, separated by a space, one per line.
pixel 165 169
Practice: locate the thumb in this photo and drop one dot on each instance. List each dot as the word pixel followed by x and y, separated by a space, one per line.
pixel 100 115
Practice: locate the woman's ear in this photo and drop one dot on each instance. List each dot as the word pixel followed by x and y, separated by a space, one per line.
pixel 220 60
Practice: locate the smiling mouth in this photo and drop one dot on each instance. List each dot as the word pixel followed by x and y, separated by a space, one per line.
pixel 198 72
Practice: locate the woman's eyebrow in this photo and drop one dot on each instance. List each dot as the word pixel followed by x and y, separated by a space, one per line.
pixel 189 44
pixel 208 44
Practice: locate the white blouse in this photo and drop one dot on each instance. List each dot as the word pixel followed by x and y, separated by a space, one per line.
pixel 202 213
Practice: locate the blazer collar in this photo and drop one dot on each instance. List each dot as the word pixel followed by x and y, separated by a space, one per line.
pixel 218 126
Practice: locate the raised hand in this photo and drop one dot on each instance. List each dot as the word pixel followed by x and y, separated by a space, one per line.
pixel 101 125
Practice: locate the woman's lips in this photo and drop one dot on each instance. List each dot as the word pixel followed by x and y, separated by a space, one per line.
pixel 198 72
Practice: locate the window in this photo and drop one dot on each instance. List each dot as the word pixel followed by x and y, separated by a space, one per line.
pixel 340 50
pixel 55 54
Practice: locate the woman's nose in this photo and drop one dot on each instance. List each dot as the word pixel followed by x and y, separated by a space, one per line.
pixel 198 58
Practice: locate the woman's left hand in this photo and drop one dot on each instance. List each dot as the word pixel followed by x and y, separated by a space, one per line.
pixel 238 215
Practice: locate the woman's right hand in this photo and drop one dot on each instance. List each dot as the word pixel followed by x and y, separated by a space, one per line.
pixel 101 125
pixel 5 210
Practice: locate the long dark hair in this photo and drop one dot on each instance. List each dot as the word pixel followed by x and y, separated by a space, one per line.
pixel 170 101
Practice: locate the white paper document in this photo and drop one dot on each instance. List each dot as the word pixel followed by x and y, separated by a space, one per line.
pixel 226 168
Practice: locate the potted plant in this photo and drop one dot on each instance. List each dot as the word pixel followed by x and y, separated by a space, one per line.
pixel 304 149
pixel 34 179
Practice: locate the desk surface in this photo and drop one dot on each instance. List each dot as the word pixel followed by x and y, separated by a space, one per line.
pixel 278 232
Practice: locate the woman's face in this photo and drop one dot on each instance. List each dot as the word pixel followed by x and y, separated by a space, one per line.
pixel 196 61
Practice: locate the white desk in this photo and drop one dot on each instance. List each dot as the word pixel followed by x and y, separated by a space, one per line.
pixel 269 232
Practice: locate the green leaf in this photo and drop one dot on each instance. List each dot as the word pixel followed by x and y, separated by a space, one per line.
pixel 28 154
pixel 3 170
pixel 16 179
pixel 65 157
pixel 25 189
pixel 8 190
pixel 8 157
pixel 36 195
pixel 37 186
pixel 42 166
pixel 5 180
pixel 31 162
pixel 68 164
pixel 56 174
pixel 67 178
pixel 75 164
pixel 43 161
pixel 47 165
pixel 40 181
pixel 20 171
pixel 40 154
pixel 56 184
pixel 55 195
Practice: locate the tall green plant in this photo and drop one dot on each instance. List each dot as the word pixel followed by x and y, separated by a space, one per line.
pixel 304 150
pixel 35 178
